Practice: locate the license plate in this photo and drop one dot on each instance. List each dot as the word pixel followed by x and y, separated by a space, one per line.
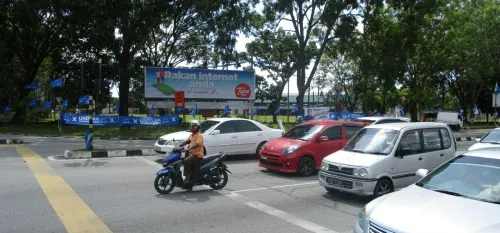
pixel 264 157
pixel 334 181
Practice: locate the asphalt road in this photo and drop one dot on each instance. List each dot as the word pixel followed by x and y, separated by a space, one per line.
pixel 117 195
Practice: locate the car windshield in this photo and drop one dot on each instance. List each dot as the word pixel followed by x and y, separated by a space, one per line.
pixel 206 125
pixel 303 132
pixel 492 137
pixel 363 121
pixel 373 141
pixel 467 176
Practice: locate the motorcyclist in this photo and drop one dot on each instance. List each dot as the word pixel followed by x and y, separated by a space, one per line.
pixel 299 120
pixel 195 152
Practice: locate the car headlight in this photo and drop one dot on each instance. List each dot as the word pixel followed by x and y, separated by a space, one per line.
pixel 360 172
pixel 290 149
pixel 362 218
pixel 324 166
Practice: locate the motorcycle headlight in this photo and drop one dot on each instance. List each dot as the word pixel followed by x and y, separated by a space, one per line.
pixel 290 149
pixel 324 166
pixel 362 218
pixel 360 172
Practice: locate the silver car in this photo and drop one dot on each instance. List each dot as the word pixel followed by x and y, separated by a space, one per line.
pixel 461 195
pixel 491 139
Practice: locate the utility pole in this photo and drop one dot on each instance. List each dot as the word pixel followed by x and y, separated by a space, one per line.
pixel 99 85
pixel 288 101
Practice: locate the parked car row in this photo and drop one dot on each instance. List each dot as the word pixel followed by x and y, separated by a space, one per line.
pixel 411 169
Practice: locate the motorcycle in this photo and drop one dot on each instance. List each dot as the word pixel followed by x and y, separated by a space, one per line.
pixel 209 171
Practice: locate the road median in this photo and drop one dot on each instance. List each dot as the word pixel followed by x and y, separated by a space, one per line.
pixel 80 154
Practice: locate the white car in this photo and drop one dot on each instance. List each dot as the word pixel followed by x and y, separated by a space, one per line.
pixel 491 139
pixel 231 135
pixel 381 159
pixel 381 120
pixel 461 195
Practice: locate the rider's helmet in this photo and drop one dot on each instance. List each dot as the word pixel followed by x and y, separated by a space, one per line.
pixel 194 126
pixel 299 119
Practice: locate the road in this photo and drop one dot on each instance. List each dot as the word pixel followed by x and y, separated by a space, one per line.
pixel 117 195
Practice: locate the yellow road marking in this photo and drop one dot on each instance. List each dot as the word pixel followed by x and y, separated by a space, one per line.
pixel 75 215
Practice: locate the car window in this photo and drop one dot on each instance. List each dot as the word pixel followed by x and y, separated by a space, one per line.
pixel 227 127
pixel 445 135
pixel 471 177
pixel 246 126
pixel 381 122
pixel 303 132
pixel 206 125
pixel 411 144
pixel 351 130
pixel 432 140
pixel 333 133
pixel 492 137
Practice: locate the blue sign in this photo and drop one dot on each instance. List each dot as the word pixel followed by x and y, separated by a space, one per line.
pixel 150 121
pixel 83 99
pixel 56 83
pixel 345 115
pixel 199 83
pixel 31 86
pixel 83 119
pixel 99 120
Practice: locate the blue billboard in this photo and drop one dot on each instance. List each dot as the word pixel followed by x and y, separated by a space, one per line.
pixel 162 83
pixel 99 120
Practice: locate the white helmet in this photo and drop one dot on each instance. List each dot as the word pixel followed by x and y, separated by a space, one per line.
pixel 195 122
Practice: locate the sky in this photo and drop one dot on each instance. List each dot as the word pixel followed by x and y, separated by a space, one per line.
pixel 242 41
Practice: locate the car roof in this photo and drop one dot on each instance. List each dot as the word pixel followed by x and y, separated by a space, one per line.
pixel 221 120
pixel 380 118
pixel 488 152
pixel 409 125
pixel 330 122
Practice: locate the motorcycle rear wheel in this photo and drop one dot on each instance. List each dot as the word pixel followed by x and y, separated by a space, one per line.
pixel 164 181
pixel 219 185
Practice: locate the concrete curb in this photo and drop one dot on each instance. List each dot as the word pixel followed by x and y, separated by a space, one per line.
pixel 465 139
pixel 107 154
pixel 95 138
pixel 11 141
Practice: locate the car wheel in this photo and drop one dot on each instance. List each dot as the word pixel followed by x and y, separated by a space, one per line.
pixel 306 166
pixel 259 148
pixel 384 186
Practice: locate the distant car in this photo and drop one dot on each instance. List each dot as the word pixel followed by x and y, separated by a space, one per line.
pixel 381 120
pixel 491 139
pixel 461 195
pixel 303 147
pixel 231 135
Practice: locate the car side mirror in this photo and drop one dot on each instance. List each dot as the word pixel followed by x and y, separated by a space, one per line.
pixel 422 173
pixel 478 139
pixel 215 132
pixel 323 138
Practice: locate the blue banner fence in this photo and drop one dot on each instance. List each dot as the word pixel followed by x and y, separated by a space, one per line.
pixel 98 120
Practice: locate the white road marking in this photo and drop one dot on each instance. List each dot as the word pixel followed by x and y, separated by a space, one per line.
pixel 310 226
pixel 275 187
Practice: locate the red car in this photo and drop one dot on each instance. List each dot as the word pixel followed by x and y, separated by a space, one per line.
pixel 302 148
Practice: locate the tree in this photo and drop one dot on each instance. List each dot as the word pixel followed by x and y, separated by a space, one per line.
pixel 32 30
pixel 314 21
pixel 276 54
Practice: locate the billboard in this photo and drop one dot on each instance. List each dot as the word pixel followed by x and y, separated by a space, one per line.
pixel 317 114
pixel 162 83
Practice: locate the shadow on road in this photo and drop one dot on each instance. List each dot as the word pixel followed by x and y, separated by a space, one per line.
pixel 87 163
pixel 291 176
pixel 347 198
pixel 190 196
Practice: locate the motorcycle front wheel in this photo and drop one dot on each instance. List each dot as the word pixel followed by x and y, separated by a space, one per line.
pixel 222 182
pixel 164 184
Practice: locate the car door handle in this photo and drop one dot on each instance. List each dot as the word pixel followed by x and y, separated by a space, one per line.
pixel 441 155
pixel 259 134
pixel 419 158
pixel 234 136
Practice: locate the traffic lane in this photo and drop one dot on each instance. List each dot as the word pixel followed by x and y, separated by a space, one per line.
pixel 464 146
pixel 24 206
pixel 471 133
pixel 121 193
